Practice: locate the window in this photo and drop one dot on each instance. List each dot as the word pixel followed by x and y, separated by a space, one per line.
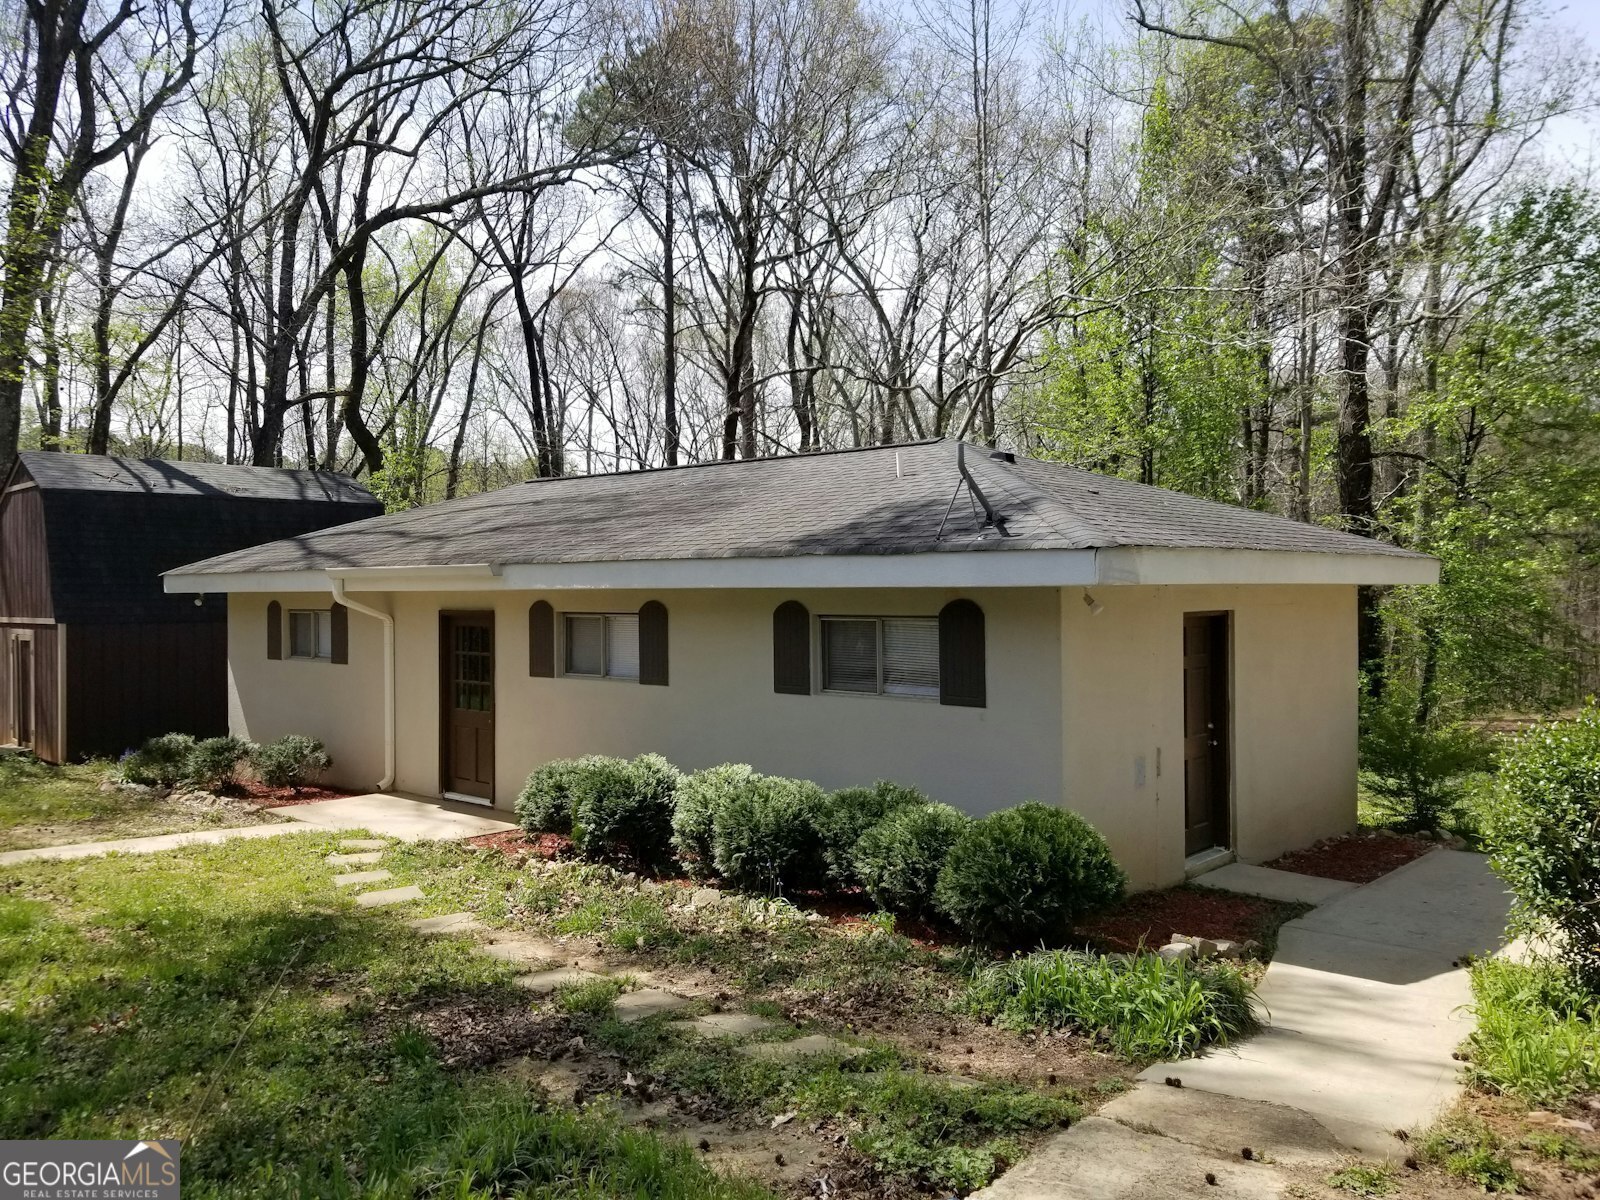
pixel 310 633
pixel 603 644
pixel 890 656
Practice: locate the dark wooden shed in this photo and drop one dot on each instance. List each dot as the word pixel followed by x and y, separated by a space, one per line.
pixel 96 657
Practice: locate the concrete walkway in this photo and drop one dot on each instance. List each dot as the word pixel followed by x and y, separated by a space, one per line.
pixel 405 818
pixel 145 845
pixel 1365 1001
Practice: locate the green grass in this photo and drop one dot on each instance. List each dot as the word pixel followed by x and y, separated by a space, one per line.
pixel 1144 1007
pixel 1468 1149
pixel 226 996
pixel 1537 1035
pixel 1365 1179
pixel 44 805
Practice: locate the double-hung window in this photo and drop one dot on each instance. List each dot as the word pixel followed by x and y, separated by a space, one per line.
pixel 603 645
pixel 310 633
pixel 886 656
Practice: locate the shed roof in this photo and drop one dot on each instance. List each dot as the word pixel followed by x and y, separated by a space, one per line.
pixel 54 471
pixel 906 499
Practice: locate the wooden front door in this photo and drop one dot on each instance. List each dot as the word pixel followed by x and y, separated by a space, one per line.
pixel 467 671
pixel 1206 739
pixel 19 648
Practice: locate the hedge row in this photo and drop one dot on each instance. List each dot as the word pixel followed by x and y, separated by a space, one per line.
pixel 1018 876
pixel 176 759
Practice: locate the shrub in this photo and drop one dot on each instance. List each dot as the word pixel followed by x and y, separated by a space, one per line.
pixel 1543 836
pixel 764 836
pixel 1146 1007
pixel 1537 1035
pixel 160 762
pixel 898 859
pixel 623 809
pixel 1024 874
pixel 848 813
pixel 1417 774
pixel 292 761
pixel 545 803
pixel 215 761
pixel 700 797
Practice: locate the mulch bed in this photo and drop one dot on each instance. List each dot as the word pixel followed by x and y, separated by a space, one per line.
pixel 517 845
pixel 1151 918
pixel 1357 858
pixel 263 796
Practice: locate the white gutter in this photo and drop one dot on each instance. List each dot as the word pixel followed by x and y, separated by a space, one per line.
pixel 337 586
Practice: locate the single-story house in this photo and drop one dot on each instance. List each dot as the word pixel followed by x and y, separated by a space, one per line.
pixel 97 656
pixel 989 628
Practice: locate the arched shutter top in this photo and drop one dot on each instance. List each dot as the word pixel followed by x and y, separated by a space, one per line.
pixel 962 669
pixel 791 649
pixel 653 643
pixel 541 640
pixel 339 633
pixel 274 630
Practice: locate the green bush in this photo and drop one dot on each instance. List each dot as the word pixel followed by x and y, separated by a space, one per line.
pixel 622 810
pixel 764 836
pixel 898 860
pixel 1146 1007
pixel 1417 775
pixel 848 813
pixel 545 803
pixel 1537 1035
pixel 1024 874
pixel 292 761
pixel 214 762
pixel 160 762
pixel 700 797
pixel 1543 836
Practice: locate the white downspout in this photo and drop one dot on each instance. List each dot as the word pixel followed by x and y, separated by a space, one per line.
pixel 337 584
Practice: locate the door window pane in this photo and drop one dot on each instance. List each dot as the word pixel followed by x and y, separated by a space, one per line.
pixel 849 655
pixel 586 645
pixel 910 657
pixel 622 646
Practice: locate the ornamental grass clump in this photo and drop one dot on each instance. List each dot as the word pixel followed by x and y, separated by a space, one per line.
pixel 1023 875
pixel 898 860
pixel 1145 1007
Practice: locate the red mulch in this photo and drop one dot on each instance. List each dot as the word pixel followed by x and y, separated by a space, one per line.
pixel 1357 858
pixel 263 796
pixel 1151 918
pixel 517 845
pixel 850 910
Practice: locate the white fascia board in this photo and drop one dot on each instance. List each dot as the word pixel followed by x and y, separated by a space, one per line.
pixel 952 569
pixel 245 581
pixel 1137 565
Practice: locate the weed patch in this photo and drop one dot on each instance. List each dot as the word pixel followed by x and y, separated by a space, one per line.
pixel 1469 1150
pixel 1537 1035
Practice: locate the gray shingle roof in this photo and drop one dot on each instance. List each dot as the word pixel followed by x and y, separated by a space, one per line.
pixel 883 500
pixel 160 477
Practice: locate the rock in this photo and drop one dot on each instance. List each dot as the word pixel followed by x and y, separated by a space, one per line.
pixel 1176 952
pixel 1455 842
pixel 1574 1124
pixel 1540 1116
pixel 705 898
pixel 107 786
pixel 783 1119
pixel 1204 947
pixel 649 885
pixel 1388 833
pixel 1227 949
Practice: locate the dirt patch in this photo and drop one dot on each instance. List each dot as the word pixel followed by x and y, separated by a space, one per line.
pixel 1357 858
pixel 519 846
pixel 1151 918
pixel 480 1031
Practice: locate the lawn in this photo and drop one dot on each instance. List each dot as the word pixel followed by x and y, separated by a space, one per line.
pixel 45 805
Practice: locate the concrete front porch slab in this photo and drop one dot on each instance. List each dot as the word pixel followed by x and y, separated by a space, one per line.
pixel 395 815
pixel 1270 884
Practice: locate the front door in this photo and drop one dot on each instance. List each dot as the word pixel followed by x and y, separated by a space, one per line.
pixel 1206 739
pixel 20 652
pixel 467 671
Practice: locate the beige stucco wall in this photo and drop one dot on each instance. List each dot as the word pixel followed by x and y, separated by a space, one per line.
pixel 1294 717
pixel 1082 707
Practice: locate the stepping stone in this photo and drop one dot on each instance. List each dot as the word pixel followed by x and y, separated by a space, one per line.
pixel 956 1083
pixel 356 878
pixel 806 1047
pixel 526 950
pixel 351 860
pixel 457 922
pixel 399 895
pixel 363 844
pixel 636 1006
pixel 727 1024
pixel 542 983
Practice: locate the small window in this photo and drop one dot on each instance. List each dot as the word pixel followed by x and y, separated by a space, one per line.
pixel 310 633
pixel 890 656
pixel 603 645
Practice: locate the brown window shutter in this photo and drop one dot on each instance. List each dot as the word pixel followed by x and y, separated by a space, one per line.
pixel 339 633
pixel 541 640
pixel 961 655
pixel 274 630
pixel 791 649
pixel 653 643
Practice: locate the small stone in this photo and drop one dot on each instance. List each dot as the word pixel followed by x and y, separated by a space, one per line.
pixel 705 898
pixel 783 1118
pixel 1176 952
pixel 1211 1178
pixel 1227 949
pixel 649 885
pixel 1574 1124
pixel 1204 947
pixel 1540 1116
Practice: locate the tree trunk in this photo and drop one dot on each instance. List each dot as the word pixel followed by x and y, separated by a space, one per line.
pixel 669 323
